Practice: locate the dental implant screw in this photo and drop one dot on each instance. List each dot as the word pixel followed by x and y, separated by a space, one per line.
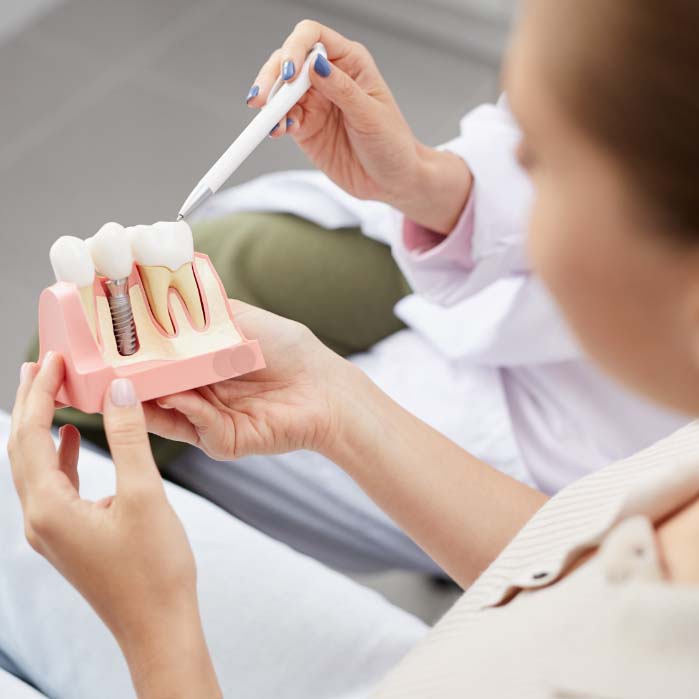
pixel 122 316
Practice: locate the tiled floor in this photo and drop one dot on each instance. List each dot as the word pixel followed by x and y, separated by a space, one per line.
pixel 111 109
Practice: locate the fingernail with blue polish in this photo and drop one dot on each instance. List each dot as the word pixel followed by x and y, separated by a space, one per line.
pixel 254 91
pixel 289 122
pixel 288 70
pixel 274 129
pixel 322 66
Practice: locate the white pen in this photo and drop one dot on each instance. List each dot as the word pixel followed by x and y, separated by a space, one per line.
pixel 282 97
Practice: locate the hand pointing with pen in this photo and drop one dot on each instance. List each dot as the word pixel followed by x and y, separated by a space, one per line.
pixel 351 128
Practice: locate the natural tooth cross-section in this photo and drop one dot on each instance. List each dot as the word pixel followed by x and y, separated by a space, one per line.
pixel 164 253
pixel 71 262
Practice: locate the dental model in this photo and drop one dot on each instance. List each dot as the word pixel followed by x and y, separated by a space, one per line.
pixel 164 253
pixel 164 322
pixel 71 262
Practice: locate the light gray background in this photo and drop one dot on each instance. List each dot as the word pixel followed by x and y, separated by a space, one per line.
pixel 112 109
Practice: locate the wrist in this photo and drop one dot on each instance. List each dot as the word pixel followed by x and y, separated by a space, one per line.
pixel 355 403
pixel 440 190
pixel 169 657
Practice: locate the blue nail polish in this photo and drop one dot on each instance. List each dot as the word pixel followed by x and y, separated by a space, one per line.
pixel 276 126
pixel 288 70
pixel 289 122
pixel 321 66
pixel 254 91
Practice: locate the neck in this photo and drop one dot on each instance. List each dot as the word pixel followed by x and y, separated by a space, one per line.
pixel 678 537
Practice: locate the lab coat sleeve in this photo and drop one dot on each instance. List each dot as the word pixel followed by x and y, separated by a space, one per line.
pixel 488 242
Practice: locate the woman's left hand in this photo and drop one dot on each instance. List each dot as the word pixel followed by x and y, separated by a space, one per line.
pixel 127 554
pixel 297 402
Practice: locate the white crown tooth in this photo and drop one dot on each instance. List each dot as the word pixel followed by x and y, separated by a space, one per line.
pixel 71 261
pixel 133 232
pixel 164 253
pixel 111 251
pixel 164 244
pixel 175 242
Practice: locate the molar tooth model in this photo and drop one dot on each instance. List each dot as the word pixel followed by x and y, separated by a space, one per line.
pixel 164 253
pixel 163 322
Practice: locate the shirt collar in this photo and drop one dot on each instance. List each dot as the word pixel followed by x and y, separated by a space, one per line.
pixel 653 493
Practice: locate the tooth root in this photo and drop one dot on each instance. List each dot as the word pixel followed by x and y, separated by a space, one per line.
pixel 185 282
pixel 156 281
pixel 87 296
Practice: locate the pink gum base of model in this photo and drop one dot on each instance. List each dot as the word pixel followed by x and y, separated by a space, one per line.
pixel 63 328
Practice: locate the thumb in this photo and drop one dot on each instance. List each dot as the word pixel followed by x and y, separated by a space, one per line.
pixel 125 427
pixel 334 84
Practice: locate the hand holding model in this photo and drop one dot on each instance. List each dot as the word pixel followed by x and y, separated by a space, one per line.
pixel 351 128
pixel 289 405
pixel 127 554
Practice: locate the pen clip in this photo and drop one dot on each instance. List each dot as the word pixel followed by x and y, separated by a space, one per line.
pixel 279 83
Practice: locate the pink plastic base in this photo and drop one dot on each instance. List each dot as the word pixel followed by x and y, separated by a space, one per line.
pixel 63 328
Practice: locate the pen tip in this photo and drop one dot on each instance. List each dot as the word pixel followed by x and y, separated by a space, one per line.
pixel 180 217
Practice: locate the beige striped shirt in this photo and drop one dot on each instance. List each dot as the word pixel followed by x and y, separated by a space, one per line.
pixel 611 629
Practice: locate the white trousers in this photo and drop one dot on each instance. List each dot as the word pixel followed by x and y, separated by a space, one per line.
pixel 279 624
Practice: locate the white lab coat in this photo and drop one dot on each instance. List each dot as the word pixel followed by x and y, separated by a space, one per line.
pixel 528 401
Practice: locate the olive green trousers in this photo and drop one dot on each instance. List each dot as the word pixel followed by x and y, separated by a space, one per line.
pixel 339 283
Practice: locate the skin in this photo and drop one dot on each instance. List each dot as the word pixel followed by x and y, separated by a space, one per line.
pixel 614 276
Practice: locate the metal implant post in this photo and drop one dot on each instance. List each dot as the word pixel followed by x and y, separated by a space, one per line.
pixel 122 316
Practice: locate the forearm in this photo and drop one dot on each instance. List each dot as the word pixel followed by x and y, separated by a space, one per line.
pixel 458 509
pixel 442 186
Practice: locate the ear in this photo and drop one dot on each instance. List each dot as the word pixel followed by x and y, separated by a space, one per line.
pixel 691 313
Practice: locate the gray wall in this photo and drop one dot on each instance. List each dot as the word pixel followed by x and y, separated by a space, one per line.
pixel 476 28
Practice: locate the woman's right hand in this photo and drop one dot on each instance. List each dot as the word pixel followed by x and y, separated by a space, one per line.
pixel 127 554
pixel 351 128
